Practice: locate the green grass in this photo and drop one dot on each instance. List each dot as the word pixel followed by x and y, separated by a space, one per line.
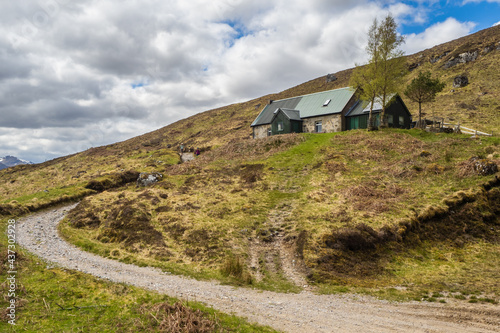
pixel 447 271
pixel 50 195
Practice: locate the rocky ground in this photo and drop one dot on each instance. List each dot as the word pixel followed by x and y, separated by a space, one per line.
pixel 306 312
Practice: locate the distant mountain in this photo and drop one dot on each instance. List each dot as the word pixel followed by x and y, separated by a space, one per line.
pixel 10 161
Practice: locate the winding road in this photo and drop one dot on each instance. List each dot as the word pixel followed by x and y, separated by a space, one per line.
pixel 304 312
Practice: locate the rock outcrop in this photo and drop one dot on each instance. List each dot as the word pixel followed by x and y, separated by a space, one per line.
pixel 331 78
pixel 460 81
pixel 462 58
pixel 147 179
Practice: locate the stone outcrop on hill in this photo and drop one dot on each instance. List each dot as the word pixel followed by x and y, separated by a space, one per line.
pixel 460 81
pixel 147 179
pixel 462 59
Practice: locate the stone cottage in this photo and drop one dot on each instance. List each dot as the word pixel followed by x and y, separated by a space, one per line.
pixel 324 112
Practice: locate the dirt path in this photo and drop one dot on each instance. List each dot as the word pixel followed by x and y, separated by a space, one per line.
pixel 186 157
pixel 304 312
pixel 273 254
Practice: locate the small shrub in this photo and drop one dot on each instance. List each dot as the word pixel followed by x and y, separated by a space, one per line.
pixel 425 153
pixel 488 300
pixel 250 173
pixel 435 168
pixel 416 167
pixel 489 150
pixel 234 267
pixel 176 318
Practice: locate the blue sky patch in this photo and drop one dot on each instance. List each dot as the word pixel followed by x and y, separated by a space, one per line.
pixel 139 84
pixel 484 14
pixel 239 29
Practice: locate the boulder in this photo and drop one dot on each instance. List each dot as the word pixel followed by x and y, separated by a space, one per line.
pixel 488 49
pixel 331 78
pixel 147 179
pixel 413 66
pixel 460 81
pixel 485 167
pixel 462 58
pixel 478 166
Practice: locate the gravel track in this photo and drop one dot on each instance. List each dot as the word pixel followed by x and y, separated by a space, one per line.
pixel 304 312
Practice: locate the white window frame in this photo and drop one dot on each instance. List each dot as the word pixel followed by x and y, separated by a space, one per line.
pixel 318 126
pixel 281 127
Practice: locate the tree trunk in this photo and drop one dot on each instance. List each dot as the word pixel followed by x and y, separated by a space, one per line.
pixel 419 125
pixel 383 119
pixel 371 120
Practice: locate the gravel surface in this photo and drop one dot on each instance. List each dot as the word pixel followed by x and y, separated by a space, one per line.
pixel 304 312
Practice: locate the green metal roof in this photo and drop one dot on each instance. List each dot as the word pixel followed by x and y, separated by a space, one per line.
pixel 312 105
pixel 266 115
pixel 291 114
pixel 363 107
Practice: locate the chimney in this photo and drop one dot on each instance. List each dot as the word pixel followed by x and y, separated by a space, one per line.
pixel 271 101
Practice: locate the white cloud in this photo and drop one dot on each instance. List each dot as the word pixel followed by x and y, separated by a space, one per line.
pixel 498 23
pixel 436 34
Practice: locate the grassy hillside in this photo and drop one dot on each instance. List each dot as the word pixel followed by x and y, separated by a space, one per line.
pixel 348 204
pixel 395 213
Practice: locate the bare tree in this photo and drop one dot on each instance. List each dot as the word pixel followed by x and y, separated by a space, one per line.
pixel 365 77
pixel 381 77
pixel 392 68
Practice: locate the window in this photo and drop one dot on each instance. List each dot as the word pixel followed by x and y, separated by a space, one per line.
pixel 390 119
pixel 318 126
pixel 401 120
pixel 327 102
pixel 269 132
pixel 280 125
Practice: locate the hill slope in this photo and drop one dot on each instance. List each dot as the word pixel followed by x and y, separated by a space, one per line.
pixel 352 208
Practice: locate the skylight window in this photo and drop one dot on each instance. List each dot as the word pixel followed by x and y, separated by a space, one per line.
pixel 327 102
pixel 276 111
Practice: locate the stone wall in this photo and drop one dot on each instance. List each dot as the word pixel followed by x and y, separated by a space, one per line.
pixel 330 123
pixel 261 131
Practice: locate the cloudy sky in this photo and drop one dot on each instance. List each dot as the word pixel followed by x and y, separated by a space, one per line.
pixel 81 73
